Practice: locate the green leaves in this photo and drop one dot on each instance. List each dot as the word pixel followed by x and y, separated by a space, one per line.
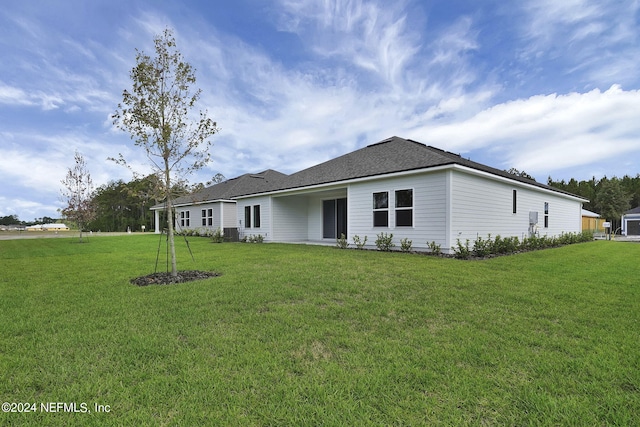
pixel 157 113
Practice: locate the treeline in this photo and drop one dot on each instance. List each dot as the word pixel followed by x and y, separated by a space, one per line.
pixel 609 197
pixel 123 205
pixel 14 220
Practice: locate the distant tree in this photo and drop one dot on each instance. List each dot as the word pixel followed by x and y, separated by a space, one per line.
pixel 156 113
pixel 632 187
pixel 611 199
pixel 122 204
pixel 216 179
pixel 9 220
pixel 77 193
pixel 586 189
pixel 521 174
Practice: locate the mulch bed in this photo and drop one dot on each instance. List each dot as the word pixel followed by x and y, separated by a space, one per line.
pixel 167 279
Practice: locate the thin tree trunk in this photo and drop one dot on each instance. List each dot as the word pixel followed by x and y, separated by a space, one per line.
pixel 170 219
pixel 172 245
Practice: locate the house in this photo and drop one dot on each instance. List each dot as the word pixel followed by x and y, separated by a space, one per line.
pixel 631 222
pixel 592 221
pixel 396 186
pixel 48 227
pixel 12 227
pixel 214 207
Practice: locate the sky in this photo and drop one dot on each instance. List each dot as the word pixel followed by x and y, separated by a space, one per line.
pixel 545 86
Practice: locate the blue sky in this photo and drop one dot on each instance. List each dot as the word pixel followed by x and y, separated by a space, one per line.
pixel 549 87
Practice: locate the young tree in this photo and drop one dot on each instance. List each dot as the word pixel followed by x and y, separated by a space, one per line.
pixel 157 115
pixel 77 193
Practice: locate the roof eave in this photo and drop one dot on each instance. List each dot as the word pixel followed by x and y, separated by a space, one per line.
pixel 203 202
pixel 446 166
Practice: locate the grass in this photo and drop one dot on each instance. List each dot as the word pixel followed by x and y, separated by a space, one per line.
pixel 309 335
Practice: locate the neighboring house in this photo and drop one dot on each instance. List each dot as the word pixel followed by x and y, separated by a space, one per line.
pixel 12 227
pixel 402 187
pixel 48 227
pixel 631 222
pixel 213 208
pixel 592 221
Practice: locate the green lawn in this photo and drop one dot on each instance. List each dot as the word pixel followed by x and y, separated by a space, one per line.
pixel 309 335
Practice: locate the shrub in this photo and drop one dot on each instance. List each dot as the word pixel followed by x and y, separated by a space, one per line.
pixel 507 245
pixel 253 239
pixel 384 242
pixel 434 248
pixel 461 251
pixel 481 247
pixel 217 236
pixel 586 236
pixel 341 242
pixel 405 245
pixel 358 242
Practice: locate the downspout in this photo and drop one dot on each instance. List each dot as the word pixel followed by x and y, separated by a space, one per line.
pixel 222 218
pixel 448 213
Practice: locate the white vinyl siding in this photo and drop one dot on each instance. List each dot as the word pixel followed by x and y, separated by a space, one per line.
pixel 290 218
pixel 229 218
pixel 265 217
pixel 483 206
pixel 429 209
pixel 220 211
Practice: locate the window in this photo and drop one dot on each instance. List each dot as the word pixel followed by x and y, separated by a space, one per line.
pixel 404 208
pixel 247 216
pixel 256 216
pixel 184 219
pixel 546 215
pixel 381 209
pixel 515 201
pixel 207 217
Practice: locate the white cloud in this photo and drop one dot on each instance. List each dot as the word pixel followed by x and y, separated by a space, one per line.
pixel 595 37
pixel 39 162
pixel 541 134
pixel 13 95
pixel 27 209
pixel 373 37
pixel 292 117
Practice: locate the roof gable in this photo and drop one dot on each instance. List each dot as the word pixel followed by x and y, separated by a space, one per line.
pixel 388 156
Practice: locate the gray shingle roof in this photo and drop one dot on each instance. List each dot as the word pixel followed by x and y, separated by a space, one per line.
pixel 385 157
pixel 227 190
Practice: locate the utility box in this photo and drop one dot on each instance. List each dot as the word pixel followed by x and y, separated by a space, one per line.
pixel 533 218
pixel 231 234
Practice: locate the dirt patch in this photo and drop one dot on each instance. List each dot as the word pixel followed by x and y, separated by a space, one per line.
pixel 168 279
